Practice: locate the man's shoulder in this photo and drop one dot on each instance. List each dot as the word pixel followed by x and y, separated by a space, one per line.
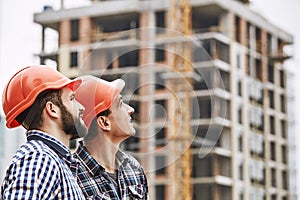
pixel 33 149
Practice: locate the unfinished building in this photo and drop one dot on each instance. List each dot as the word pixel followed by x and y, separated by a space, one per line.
pixel 238 111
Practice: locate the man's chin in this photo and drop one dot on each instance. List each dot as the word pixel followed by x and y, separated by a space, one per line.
pixel 132 133
pixel 81 131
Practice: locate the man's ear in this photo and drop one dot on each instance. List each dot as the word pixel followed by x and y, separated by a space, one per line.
pixel 104 123
pixel 52 109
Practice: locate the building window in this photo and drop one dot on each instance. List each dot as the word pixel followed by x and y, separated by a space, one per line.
pixel 109 58
pixel 220 108
pixel 160 137
pixel 248 65
pixel 159 80
pixel 282 103
pixel 225 76
pixel 222 51
pixel 160 192
pixel 241 171
pixel 284 154
pixel 283 128
pixel 129 59
pixel 249 27
pixel 271 72
pixel 239 88
pixel 240 143
pixel 271 99
pixel 237 29
pixel 240 116
pixel 273 177
pixel 160 164
pixel 202 167
pixel 238 60
pixel 258 70
pixel 258 40
pixel 160 109
pixel 241 196
pixel 284 180
pixel 160 53
pixel 205 107
pixel 74 30
pixel 273 151
pixel 272 125
pixel 74 59
pixel 282 78
pixel 160 21
pixel 203 191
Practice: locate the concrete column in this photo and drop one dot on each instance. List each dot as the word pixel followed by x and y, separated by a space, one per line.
pixel 64 32
pixel 243 32
pixel 85 27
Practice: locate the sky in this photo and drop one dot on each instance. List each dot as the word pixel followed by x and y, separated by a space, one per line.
pixel 20 38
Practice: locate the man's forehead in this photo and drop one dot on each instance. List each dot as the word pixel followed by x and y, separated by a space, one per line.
pixel 117 99
pixel 66 91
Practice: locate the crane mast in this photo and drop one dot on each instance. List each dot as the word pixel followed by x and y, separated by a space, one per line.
pixel 181 112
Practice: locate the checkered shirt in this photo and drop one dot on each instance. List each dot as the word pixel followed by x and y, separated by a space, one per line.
pixel 39 170
pixel 95 183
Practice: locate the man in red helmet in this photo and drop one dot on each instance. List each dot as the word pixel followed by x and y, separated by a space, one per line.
pixel 106 172
pixel 43 101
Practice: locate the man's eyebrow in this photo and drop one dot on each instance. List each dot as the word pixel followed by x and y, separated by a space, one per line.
pixel 72 95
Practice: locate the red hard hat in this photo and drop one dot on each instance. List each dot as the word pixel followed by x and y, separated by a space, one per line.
pixel 22 89
pixel 97 95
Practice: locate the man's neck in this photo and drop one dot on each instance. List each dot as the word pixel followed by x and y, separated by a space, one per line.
pixel 57 134
pixel 103 151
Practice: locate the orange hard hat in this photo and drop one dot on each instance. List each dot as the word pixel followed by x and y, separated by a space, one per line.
pixel 97 95
pixel 22 89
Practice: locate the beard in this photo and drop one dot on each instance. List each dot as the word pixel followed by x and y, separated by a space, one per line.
pixel 73 127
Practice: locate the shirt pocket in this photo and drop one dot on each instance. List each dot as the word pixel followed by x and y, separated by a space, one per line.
pixel 137 192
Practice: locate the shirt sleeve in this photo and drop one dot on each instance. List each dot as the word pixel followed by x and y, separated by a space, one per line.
pixel 34 176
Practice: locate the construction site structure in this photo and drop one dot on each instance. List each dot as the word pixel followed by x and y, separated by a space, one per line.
pixel 242 132
pixel 180 112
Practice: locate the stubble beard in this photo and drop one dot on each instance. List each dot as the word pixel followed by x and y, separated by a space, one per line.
pixel 71 126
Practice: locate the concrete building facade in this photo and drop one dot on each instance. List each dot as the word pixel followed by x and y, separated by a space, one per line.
pixel 240 123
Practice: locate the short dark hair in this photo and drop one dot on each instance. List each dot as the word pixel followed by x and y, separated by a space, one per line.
pixel 93 127
pixel 39 104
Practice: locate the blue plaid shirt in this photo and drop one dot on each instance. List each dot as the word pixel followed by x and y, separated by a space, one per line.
pixel 95 183
pixel 39 170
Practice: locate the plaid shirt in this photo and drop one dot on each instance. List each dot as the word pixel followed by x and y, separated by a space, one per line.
pixel 95 183
pixel 39 171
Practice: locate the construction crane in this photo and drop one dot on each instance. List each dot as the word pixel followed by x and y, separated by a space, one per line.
pixel 181 112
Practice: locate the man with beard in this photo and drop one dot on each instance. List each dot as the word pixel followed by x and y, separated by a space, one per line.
pixel 105 171
pixel 43 101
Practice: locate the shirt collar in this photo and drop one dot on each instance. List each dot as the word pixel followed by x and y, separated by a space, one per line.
pixel 121 158
pixel 91 164
pixel 50 141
